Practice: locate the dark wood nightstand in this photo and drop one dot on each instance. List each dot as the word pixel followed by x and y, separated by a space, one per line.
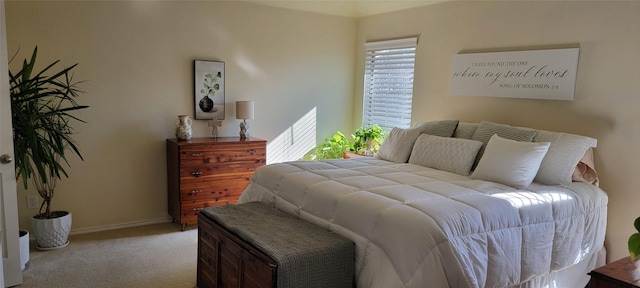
pixel 621 273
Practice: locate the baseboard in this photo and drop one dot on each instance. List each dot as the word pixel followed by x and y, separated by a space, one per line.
pixel 120 226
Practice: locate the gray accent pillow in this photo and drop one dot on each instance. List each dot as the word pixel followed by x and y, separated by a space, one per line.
pixel 444 153
pixel 465 130
pixel 487 129
pixel 398 144
pixel 442 128
pixel 565 152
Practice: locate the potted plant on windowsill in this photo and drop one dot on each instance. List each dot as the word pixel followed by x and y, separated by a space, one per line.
pixel 41 108
pixel 367 139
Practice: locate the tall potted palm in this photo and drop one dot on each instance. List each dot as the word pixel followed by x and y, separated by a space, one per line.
pixel 41 107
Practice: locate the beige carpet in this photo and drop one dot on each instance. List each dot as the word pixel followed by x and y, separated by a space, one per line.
pixel 149 256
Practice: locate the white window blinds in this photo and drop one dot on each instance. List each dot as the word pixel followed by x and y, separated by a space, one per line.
pixel 388 83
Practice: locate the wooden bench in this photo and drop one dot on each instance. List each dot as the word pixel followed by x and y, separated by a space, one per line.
pixel 254 245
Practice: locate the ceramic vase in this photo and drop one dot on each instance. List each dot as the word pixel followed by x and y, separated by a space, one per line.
pixel 183 127
pixel 206 104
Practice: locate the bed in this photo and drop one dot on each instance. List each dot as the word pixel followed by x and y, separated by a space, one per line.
pixel 449 204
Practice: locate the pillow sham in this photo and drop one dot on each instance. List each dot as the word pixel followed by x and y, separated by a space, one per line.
pixel 398 144
pixel 486 130
pixel 510 162
pixel 564 155
pixel 444 153
pixel 442 128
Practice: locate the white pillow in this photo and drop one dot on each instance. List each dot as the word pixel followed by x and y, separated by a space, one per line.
pixel 398 145
pixel 510 162
pixel 443 153
pixel 565 152
pixel 486 130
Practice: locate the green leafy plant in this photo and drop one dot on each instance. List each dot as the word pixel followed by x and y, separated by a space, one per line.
pixel 331 148
pixel 634 241
pixel 367 139
pixel 211 84
pixel 41 108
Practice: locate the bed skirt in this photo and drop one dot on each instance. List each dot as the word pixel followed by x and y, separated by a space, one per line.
pixel 573 276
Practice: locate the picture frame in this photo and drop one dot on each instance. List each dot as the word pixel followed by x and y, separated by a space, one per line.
pixel 209 90
pixel 547 74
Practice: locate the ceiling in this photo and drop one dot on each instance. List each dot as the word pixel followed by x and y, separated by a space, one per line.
pixel 348 8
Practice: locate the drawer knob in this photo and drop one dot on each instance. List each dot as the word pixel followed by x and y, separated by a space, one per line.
pixel 252 151
pixel 197 209
pixel 196 174
pixel 251 169
pixel 196 154
pixel 194 192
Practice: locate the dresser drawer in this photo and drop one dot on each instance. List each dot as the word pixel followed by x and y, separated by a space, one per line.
pixel 213 169
pixel 204 154
pixel 221 187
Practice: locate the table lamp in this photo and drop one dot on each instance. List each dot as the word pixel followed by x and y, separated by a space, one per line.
pixel 244 111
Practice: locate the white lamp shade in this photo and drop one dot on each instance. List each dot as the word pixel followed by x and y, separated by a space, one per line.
pixel 244 109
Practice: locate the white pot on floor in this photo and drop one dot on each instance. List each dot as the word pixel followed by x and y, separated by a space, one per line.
pixel 52 233
pixel 24 249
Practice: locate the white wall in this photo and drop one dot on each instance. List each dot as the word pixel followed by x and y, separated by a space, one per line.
pixel 606 97
pixel 137 58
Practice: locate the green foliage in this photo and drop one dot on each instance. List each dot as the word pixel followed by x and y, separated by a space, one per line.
pixel 634 241
pixel 211 84
pixel 367 139
pixel 331 148
pixel 40 109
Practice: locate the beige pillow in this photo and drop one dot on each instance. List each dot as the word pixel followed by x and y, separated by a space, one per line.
pixel 398 144
pixel 444 153
pixel 586 169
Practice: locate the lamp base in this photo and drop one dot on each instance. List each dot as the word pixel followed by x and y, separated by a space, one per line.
pixel 244 129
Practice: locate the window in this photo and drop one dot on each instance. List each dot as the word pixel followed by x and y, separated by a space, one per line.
pixel 388 83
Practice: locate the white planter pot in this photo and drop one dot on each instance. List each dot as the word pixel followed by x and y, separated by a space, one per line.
pixel 52 233
pixel 24 249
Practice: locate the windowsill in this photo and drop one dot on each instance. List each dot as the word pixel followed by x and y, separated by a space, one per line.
pixel 349 154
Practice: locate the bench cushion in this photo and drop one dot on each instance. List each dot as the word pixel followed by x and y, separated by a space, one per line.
pixel 307 255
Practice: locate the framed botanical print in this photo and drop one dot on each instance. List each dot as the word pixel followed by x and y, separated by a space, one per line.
pixel 209 90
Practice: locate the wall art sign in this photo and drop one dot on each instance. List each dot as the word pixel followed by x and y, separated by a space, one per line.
pixel 209 90
pixel 535 74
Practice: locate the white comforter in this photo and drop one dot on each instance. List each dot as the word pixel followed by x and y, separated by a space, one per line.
pixel 419 227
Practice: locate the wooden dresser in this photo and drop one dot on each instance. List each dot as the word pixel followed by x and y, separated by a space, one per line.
pixel 204 172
